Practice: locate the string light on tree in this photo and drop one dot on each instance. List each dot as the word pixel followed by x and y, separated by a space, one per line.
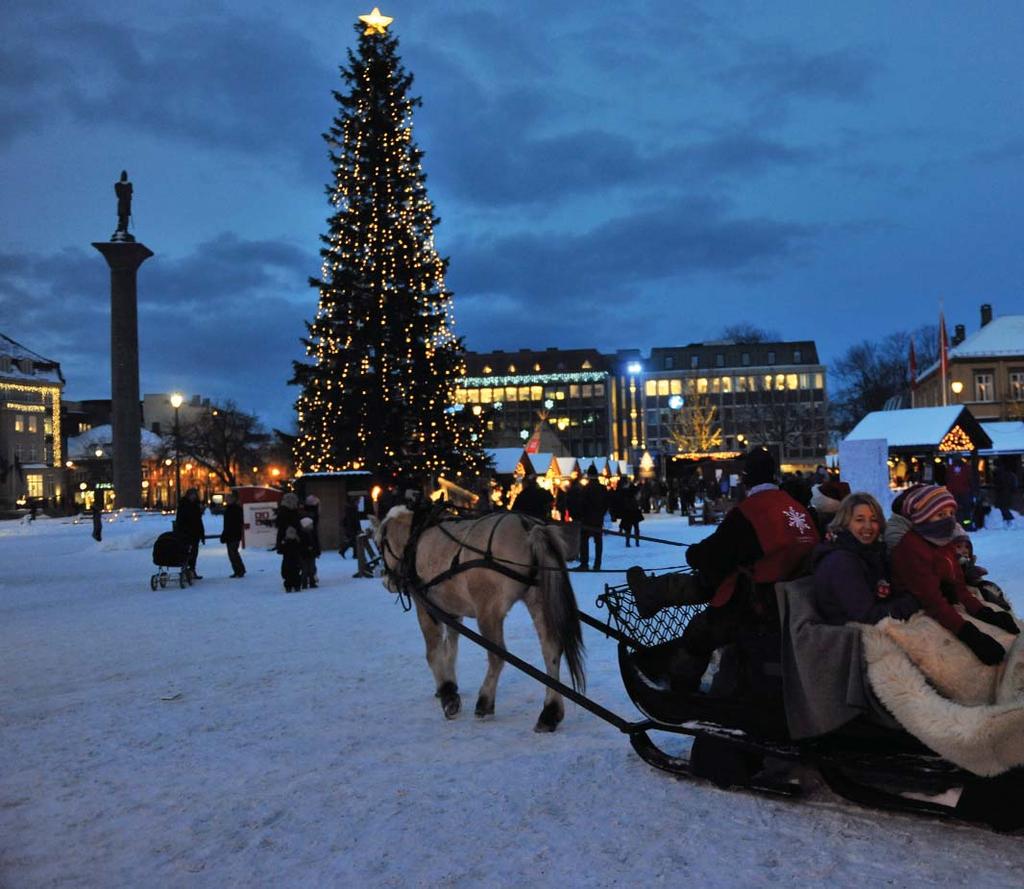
pixel 384 360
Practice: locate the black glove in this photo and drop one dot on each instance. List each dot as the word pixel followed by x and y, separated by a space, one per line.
pixel 985 648
pixel 1002 619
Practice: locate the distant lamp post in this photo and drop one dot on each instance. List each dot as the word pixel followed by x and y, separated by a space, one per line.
pixel 741 440
pixel 98 452
pixel 957 386
pixel 177 399
pixel 634 369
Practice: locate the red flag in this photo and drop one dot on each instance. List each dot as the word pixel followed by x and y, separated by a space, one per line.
pixel 913 367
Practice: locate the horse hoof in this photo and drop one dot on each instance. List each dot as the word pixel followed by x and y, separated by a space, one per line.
pixel 549 718
pixel 451 706
pixel 484 707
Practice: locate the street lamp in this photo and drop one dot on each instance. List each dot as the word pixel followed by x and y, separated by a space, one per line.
pixel 176 401
pixel 957 386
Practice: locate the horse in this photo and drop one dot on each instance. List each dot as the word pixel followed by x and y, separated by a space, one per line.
pixel 515 558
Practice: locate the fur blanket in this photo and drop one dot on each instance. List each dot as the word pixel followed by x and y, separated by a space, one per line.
pixel 968 713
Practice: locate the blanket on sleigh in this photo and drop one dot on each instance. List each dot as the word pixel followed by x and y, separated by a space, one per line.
pixel 914 672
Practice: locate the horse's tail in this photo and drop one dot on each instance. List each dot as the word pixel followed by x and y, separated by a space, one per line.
pixel 557 598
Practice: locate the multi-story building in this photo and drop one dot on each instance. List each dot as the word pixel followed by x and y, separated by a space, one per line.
pixel 986 370
pixel 30 433
pixel 570 388
pixel 626 404
pixel 769 393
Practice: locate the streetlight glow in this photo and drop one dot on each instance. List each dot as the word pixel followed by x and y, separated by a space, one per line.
pixel 177 400
pixel 634 367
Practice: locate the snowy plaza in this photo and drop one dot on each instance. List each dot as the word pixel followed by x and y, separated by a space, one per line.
pixel 228 734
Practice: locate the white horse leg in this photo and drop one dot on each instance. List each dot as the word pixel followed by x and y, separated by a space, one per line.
pixel 492 629
pixel 554 708
pixel 442 650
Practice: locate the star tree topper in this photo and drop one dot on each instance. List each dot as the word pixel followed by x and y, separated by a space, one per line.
pixel 375 22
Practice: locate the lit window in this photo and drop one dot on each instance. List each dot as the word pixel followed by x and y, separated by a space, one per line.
pixel 1017 385
pixel 485 396
pixel 536 368
pixel 511 393
pixel 984 389
pixel 487 369
pixel 33 426
pixel 676 387
pixel 19 423
pixel 599 390
pixel 663 387
pixel 586 365
pixel 34 483
pixel 716 384
pixel 651 388
pixel 805 381
pixel 586 391
pixel 727 384
pixel 511 368
pixel 473 396
pixel 741 384
pixel 524 393
pixel 536 393
pixel 819 381
pixel 792 381
pixel 702 386
pixel 574 391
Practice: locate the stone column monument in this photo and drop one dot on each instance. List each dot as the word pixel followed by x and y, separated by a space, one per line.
pixel 124 256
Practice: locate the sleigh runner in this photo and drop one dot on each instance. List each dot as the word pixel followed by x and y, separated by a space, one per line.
pixel 740 733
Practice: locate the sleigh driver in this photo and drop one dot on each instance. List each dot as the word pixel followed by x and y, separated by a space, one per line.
pixel 768 537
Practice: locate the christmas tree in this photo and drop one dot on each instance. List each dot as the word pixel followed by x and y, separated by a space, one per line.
pixel 379 392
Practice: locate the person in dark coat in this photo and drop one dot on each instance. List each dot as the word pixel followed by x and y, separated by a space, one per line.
pixel 232 534
pixel 290 548
pixel 628 511
pixel 350 529
pixel 533 500
pixel 310 552
pixel 851 570
pixel 767 538
pixel 97 518
pixel 287 516
pixel 591 507
pixel 1005 483
pixel 188 523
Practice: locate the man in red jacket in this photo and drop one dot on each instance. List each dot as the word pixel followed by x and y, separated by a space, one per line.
pixel 768 537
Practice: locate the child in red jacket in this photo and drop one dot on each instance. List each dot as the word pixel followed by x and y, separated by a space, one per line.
pixel 922 544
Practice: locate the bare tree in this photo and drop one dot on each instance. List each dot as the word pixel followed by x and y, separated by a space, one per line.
pixel 745 332
pixel 776 415
pixel 696 429
pixel 224 439
pixel 869 374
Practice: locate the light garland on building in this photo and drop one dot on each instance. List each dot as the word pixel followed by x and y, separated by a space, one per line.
pixel 956 440
pixel 54 393
pixel 533 379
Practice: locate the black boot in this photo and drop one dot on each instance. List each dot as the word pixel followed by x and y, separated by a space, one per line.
pixel 652 593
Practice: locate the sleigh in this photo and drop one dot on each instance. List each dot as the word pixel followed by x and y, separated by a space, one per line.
pixel 741 737
pixel 741 721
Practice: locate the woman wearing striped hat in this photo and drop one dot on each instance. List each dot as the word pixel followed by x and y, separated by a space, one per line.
pixel 921 539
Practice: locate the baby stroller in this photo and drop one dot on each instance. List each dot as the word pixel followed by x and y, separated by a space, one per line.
pixel 171 551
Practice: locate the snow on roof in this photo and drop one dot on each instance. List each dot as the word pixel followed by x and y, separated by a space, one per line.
pixel 566 465
pixel 1001 336
pixel 541 463
pixel 505 460
pixel 1007 437
pixel 44 369
pixel 103 437
pixel 916 426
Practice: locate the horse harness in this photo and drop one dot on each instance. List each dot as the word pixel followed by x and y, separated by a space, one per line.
pixel 405 576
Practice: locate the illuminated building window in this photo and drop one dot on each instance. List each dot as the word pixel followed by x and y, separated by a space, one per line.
pixel 32 425
pixel 587 391
pixel 586 366
pixel 819 381
pixel 984 387
pixel 663 387
pixel 536 393
pixel 676 387
pixel 19 423
pixel 485 396
pixel 34 484
pixel 702 386
pixel 727 384
pixel 473 396
pixel 599 390
pixel 1017 385
pixel 651 388
pixel 792 381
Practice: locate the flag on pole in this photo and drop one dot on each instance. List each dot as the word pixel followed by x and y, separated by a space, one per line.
pixel 913 367
pixel 943 356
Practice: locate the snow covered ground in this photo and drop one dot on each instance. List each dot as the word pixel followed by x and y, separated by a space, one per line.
pixel 232 735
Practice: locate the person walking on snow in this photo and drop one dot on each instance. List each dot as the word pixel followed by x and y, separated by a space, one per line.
pixel 232 534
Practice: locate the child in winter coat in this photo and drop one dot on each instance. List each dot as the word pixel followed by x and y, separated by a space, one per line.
pixel 974 574
pixel 922 547
pixel 290 549
pixel 310 551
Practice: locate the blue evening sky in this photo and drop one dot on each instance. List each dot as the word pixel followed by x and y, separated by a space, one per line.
pixel 608 174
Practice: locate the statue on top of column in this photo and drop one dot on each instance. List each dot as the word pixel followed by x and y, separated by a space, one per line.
pixel 123 190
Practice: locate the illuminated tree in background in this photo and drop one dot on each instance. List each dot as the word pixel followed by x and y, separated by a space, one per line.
pixel 378 392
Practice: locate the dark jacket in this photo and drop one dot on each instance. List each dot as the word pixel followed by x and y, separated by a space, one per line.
pixel 1005 483
pixel 189 520
pixel 534 501
pixel 593 504
pixel 232 524
pixel 851 583
pixel 627 505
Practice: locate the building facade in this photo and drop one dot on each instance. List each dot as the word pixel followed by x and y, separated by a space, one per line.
pixel 30 427
pixel 626 405
pixel 570 389
pixel 986 370
pixel 771 393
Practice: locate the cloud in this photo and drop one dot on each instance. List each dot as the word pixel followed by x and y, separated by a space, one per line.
pixel 775 74
pixel 223 320
pixel 217 80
